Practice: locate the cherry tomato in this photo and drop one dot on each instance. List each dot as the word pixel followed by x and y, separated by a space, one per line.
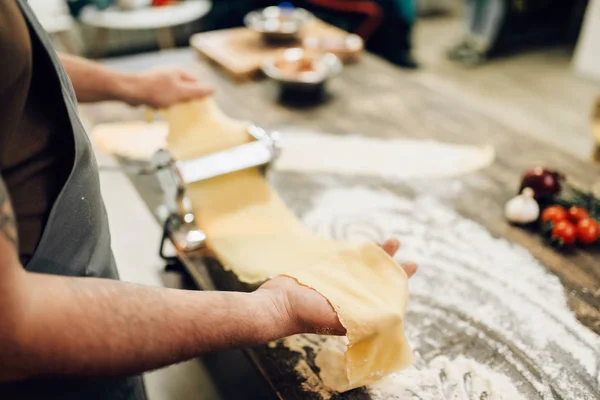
pixel 576 214
pixel 565 232
pixel 588 231
pixel 554 214
pixel 160 3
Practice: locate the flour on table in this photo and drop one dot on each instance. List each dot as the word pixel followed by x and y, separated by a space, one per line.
pixel 480 307
pixel 392 159
pixel 299 343
pixel 312 382
pixel 452 379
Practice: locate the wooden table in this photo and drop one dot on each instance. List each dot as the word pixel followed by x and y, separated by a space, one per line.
pixel 374 98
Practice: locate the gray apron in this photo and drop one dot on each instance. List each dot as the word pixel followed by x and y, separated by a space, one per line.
pixel 76 239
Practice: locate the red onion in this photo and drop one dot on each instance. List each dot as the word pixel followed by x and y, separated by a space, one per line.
pixel 545 183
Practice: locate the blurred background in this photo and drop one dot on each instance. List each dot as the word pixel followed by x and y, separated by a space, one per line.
pixel 466 31
pixel 538 53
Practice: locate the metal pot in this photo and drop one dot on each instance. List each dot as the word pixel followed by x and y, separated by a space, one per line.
pixel 278 23
pixel 301 71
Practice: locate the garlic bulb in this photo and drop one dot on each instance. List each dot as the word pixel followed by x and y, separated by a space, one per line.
pixel 522 209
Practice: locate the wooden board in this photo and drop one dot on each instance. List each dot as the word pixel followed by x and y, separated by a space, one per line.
pixel 241 51
pixel 392 104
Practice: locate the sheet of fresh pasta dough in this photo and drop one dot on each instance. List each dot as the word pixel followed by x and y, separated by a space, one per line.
pixel 248 226
pixel 369 293
pixel 252 233
pixel 138 140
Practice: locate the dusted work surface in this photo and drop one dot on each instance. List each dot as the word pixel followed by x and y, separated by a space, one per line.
pixel 453 227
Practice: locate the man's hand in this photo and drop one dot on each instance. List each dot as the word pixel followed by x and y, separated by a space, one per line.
pixel 157 88
pixel 163 87
pixel 309 311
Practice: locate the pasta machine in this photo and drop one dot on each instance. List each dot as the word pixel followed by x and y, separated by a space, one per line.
pixel 174 176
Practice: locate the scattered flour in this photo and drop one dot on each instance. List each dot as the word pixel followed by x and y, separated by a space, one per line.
pixel 493 293
pixel 457 379
pixel 299 343
pixel 312 381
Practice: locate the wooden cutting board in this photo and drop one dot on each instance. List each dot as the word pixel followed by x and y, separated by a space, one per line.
pixel 240 51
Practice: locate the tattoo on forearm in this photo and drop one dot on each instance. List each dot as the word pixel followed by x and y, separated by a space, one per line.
pixel 8 225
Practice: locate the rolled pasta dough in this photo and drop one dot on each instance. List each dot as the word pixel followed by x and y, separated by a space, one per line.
pixel 369 293
pixel 252 232
pixel 133 139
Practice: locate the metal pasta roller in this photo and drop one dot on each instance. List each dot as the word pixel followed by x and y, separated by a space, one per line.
pixel 180 226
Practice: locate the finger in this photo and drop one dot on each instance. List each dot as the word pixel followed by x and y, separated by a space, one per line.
pixel 187 77
pixel 391 246
pixel 196 91
pixel 410 268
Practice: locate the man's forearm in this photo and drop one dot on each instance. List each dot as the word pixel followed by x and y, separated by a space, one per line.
pixel 94 82
pixel 96 327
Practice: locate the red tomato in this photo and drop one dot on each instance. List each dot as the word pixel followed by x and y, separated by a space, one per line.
pixel 565 231
pixel 160 3
pixel 554 214
pixel 576 214
pixel 588 231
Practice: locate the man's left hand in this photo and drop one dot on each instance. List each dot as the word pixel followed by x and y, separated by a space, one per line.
pixel 163 87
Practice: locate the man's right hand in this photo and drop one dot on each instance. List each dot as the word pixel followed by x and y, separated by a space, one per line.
pixel 305 309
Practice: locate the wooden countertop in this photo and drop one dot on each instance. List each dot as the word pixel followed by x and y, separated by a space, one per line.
pixel 374 98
